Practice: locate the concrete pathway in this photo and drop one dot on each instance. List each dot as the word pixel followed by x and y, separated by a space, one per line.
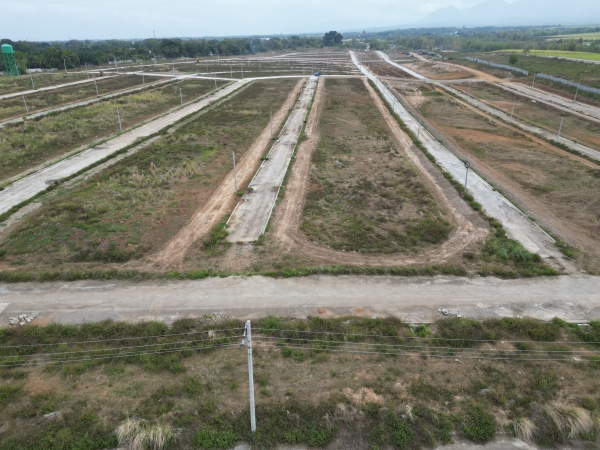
pixel 251 215
pixel 387 59
pixel 413 299
pixel 517 225
pixel 31 185
pixel 594 154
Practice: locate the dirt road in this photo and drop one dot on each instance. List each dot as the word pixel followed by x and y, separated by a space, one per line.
pixel 573 298
pixel 223 199
pixel 517 225
pixel 252 213
pixel 28 187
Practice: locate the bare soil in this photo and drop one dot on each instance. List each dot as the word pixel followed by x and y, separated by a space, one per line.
pixel 439 71
pixel 561 190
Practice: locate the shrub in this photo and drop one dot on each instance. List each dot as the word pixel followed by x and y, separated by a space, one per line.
pixel 207 438
pixel 479 425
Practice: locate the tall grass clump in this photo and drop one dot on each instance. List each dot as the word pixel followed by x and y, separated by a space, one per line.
pixel 137 434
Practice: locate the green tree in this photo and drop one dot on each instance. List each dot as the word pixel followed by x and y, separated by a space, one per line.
pixel 332 38
pixel 513 59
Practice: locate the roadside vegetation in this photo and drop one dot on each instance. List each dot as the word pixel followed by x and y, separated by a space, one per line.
pixel 138 204
pixel 365 195
pixel 36 102
pixel 9 85
pixel 35 142
pixel 185 386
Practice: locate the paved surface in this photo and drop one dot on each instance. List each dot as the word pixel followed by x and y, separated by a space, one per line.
pixel 510 444
pixel 387 59
pixel 417 299
pixel 552 100
pixel 594 154
pixel 517 225
pixel 85 102
pixel 251 215
pixel 50 88
pixel 27 187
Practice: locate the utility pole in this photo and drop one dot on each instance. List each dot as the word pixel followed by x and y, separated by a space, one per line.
pixel 469 91
pixel 560 127
pixel 533 84
pixel 271 124
pixel 577 91
pixel 86 71
pixel 242 70
pixel 513 110
pixel 215 80
pixel 143 78
pixel 119 116
pixel 26 108
pixel 96 84
pixel 32 83
pixel 181 96
pixel 248 340
pixel 234 174
pixel 467 165
pixel 419 133
pixel 65 64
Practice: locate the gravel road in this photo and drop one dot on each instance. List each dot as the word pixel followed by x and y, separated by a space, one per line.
pixel 417 299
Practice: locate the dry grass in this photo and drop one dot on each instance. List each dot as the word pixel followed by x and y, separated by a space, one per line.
pixel 572 421
pixel 522 428
pixel 137 434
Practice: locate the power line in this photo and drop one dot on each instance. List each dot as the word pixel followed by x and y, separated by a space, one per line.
pixel 123 355
pixel 120 339
pixel 429 347
pixel 430 338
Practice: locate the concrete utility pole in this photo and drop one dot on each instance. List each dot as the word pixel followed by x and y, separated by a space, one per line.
pixel 533 84
pixel 513 111
pixel 234 174
pixel 231 72
pixel 271 124
pixel 576 91
pixel 467 165
pixel 181 96
pixel 469 91
pixel 242 70
pixel 26 108
pixel 65 64
pixel 143 78
pixel 248 340
pixel 86 71
pixel 419 133
pixel 32 83
pixel 560 127
pixel 96 84
pixel 119 116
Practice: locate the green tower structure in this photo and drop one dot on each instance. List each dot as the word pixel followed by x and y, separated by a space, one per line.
pixel 10 62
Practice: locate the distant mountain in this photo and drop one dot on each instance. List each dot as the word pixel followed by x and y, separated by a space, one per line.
pixel 520 13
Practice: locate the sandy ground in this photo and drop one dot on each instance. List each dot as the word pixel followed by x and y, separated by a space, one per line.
pixel 29 186
pixel 572 298
pixel 517 225
pixel 224 198
pixel 252 213
pixel 594 154
pixel 288 215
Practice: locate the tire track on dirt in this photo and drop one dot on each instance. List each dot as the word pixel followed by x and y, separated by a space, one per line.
pixel 223 199
pixel 288 215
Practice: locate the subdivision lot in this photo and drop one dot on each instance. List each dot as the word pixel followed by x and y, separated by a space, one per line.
pixel 383 69
pixel 455 380
pixel 574 127
pixel 559 189
pixel 437 71
pixel 31 144
pixel 139 203
pixel 15 107
pixel 9 85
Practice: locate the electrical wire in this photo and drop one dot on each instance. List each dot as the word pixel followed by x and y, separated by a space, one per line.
pixel 429 355
pixel 430 347
pixel 121 348
pixel 119 339
pixel 123 355
pixel 430 338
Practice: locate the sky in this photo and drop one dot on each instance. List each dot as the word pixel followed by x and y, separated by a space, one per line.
pixel 46 20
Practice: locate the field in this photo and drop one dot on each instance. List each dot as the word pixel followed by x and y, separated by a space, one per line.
pixel 437 71
pixel 136 206
pixel 560 190
pixel 36 102
pixel 560 54
pixel 383 69
pixel 575 128
pixel 413 386
pixel 30 144
pixel 364 193
pixel 584 36
pixel 9 85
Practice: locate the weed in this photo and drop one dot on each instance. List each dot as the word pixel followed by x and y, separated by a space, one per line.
pixel 479 425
